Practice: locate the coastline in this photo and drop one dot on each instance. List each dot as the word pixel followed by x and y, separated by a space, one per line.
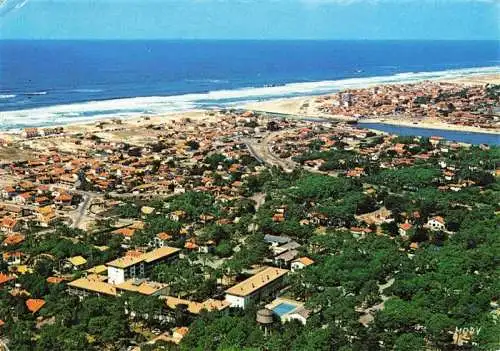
pixel 300 107
pixel 305 106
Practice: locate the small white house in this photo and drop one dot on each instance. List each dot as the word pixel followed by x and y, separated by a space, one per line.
pixel 301 263
pixel 436 223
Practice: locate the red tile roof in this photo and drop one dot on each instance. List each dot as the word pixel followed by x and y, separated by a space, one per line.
pixel 405 226
pixel 34 305
pixel 4 278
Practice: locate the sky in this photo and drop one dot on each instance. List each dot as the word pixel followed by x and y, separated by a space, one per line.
pixel 250 19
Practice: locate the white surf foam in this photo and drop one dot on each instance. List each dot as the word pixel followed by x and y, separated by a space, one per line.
pixel 36 93
pixel 130 107
pixel 7 96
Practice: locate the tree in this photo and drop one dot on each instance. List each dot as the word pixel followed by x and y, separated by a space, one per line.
pixel 193 145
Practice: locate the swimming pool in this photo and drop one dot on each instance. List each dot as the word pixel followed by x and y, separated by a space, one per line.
pixel 283 308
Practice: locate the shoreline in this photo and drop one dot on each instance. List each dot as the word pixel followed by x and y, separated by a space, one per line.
pixel 295 106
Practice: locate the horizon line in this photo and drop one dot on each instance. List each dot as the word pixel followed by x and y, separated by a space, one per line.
pixel 243 39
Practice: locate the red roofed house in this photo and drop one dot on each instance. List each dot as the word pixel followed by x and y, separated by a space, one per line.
pixel 34 305
pixel 63 199
pixel 13 239
pixel 8 192
pixel 4 278
pixel 8 225
pixel 404 229
pixel 127 233
pixel 436 223
pixel 12 258
pixel 301 263
pixel 161 240
pixel 179 334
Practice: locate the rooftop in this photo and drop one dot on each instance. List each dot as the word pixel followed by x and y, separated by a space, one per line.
pixel 93 283
pixel 141 286
pixel 257 281
pixel 196 307
pixel 148 257
pixel 34 305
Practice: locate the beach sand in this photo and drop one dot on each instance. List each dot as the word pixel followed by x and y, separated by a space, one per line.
pixel 132 130
pixel 301 106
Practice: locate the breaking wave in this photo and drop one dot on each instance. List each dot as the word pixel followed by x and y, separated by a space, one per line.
pixel 156 105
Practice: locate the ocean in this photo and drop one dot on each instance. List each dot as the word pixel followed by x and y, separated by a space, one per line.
pixel 56 82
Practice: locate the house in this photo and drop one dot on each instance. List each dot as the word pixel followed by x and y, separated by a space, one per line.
pixel 177 215
pixel 301 263
pixel 265 283
pixel 8 192
pixel 55 280
pixel 191 245
pixel 41 201
pixel 138 266
pixel 404 229
pixel 34 305
pixel 13 239
pixel 436 223
pixel 45 216
pixel 4 278
pixel 127 233
pixel 12 258
pixel 359 232
pixel 286 258
pixel 179 333
pixel 161 240
pixel 275 240
pixel 77 262
pixel 207 247
pixel 101 269
pixel 96 285
pixel 8 225
pixel 63 200
pixel 22 198
pixel 29 133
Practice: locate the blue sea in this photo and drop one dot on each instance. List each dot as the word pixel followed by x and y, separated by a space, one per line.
pixel 57 82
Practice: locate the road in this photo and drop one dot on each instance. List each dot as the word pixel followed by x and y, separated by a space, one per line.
pixel 82 210
pixel 262 152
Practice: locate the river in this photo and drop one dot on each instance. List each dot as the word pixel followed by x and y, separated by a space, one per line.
pixel 464 137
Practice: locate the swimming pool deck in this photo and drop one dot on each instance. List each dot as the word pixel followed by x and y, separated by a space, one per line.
pixel 279 301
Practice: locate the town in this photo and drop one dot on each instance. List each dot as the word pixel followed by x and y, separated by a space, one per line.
pixel 450 103
pixel 166 234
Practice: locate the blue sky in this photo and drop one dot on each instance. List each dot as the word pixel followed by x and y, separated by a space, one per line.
pixel 250 19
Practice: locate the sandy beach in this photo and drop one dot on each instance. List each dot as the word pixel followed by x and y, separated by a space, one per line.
pixel 306 106
pixel 117 129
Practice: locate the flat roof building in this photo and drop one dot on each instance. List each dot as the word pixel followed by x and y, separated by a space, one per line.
pixel 92 284
pixel 95 284
pixel 194 307
pixel 263 284
pixel 138 266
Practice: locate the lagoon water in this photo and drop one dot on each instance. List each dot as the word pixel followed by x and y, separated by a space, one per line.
pixel 463 137
pixel 57 82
